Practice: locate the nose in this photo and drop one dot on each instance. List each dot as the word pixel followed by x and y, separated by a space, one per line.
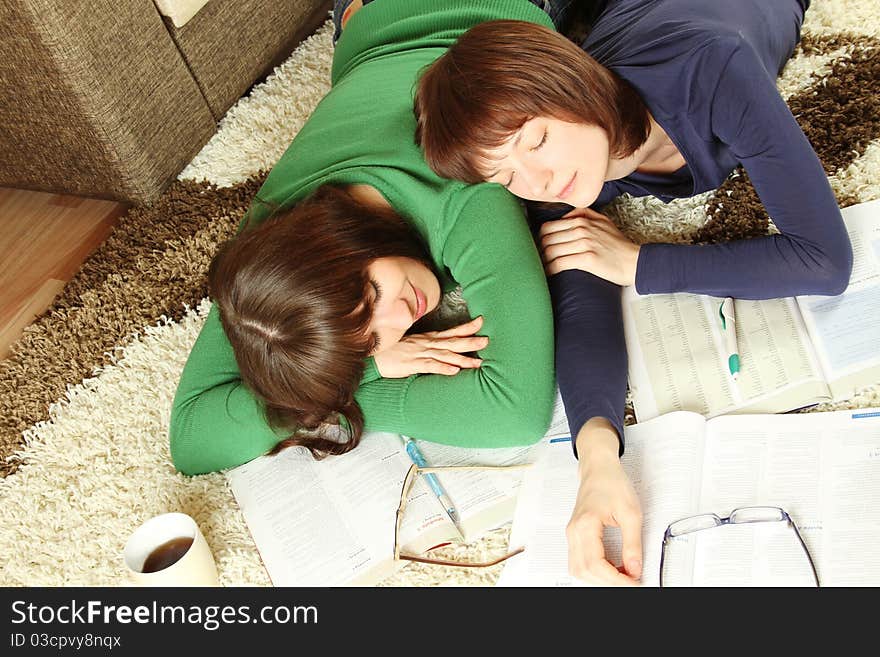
pixel 397 316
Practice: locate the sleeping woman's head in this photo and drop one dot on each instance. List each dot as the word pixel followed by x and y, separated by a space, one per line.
pixel 515 103
pixel 307 295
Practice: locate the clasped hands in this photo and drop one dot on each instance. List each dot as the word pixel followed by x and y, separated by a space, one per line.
pixel 433 352
pixel 586 240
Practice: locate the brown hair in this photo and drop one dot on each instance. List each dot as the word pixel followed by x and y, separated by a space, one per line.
pixel 500 74
pixel 292 295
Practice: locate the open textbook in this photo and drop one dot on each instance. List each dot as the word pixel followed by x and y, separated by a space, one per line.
pixel 331 522
pixel 823 468
pixel 794 352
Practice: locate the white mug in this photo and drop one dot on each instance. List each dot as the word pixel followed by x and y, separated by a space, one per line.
pixel 169 550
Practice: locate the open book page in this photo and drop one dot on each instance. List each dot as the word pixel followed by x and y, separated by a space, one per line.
pixel 823 468
pixel 846 329
pixel 486 499
pixel 329 522
pixel 662 459
pixel 677 359
pixel 559 422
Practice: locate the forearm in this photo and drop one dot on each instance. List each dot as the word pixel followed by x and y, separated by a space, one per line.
pixel 591 362
pixel 475 408
pixel 222 428
pixel 760 268
pixel 216 422
pixel 812 253
pixel 595 442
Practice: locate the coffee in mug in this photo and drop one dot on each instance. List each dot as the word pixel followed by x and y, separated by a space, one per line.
pixel 166 554
pixel 170 550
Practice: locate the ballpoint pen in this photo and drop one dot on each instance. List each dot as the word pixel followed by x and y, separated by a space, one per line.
pixel 728 329
pixel 416 457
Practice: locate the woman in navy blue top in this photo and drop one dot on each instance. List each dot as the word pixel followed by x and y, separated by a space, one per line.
pixel 670 97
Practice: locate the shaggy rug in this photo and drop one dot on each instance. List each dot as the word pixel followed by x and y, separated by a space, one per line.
pixel 86 394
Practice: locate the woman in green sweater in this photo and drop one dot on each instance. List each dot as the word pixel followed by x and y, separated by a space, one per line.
pixel 356 159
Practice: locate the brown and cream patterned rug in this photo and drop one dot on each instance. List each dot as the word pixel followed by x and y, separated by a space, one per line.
pixel 86 394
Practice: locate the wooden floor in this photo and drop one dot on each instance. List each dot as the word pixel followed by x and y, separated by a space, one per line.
pixel 44 238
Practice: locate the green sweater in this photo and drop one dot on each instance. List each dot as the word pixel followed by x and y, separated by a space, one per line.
pixel 362 132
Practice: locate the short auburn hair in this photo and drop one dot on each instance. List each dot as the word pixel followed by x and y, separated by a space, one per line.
pixel 500 74
pixel 293 299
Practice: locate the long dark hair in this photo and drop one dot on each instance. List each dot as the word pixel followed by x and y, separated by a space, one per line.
pixel 500 74
pixel 292 295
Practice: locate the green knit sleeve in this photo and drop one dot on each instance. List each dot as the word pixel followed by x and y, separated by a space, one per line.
pixel 509 400
pixel 216 422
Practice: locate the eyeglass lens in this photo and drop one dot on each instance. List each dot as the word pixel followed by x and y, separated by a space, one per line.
pixel 738 555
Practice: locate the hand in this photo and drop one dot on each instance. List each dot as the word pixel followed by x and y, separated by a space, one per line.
pixel 584 239
pixel 605 498
pixel 435 352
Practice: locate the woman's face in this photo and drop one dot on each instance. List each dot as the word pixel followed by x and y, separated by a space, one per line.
pixel 552 160
pixel 403 291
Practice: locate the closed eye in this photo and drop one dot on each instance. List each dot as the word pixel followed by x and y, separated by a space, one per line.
pixel 542 142
pixel 374 337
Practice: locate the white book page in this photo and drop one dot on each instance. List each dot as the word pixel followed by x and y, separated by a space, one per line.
pixel 662 459
pixel 331 522
pixel 677 359
pixel 846 329
pixel 323 523
pixel 823 468
pixel 484 499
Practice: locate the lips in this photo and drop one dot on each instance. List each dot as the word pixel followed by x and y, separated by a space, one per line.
pixel 565 191
pixel 421 303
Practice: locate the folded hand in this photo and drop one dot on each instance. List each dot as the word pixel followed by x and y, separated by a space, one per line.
pixel 584 239
pixel 434 352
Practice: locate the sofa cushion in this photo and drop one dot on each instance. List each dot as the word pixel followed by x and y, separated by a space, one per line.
pixel 95 100
pixel 230 44
pixel 179 11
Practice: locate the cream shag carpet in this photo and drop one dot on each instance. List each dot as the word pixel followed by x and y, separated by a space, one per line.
pixel 85 398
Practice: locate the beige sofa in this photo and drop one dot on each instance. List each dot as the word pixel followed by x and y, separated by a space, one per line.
pixel 112 100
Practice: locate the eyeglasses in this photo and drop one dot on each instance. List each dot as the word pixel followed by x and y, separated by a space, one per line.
pixel 405 490
pixel 743 515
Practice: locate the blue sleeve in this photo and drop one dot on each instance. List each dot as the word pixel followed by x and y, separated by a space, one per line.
pixel 609 192
pixel 591 361
pixel 812 254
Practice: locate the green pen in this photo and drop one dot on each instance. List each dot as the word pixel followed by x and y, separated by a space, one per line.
pixel 728 329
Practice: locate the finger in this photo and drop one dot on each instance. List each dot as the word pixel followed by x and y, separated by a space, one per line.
pixel 461 345
pixel 583 212
pixel 631 536
pixel 605 573
pixel 453 358
pixel 575 247
pixel 557 225
pixel 578 261
pixel 591 564
pixel 468 328
pixel 433 366
pixel 569 235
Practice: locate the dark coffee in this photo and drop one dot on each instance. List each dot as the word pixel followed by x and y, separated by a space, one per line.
pixel 167 554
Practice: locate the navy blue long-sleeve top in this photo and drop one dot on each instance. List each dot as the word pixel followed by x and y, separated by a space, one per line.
pixel 706 70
